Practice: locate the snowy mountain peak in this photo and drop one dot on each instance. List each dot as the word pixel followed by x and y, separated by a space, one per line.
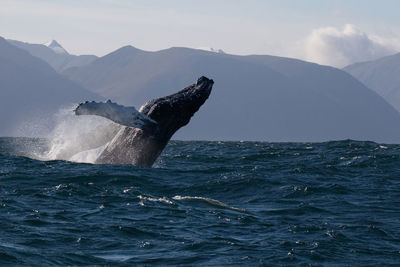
pixel 56 47
pixel 211 49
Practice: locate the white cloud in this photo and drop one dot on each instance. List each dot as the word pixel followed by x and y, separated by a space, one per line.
pixel 341 47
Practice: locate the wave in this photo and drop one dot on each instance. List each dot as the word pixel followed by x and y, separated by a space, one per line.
pixel 211 201
pixel 162 200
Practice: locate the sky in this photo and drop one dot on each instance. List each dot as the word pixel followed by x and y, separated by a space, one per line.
pixel 329 32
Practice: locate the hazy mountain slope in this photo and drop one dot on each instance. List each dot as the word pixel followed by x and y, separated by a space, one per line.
pixel 55 55
pixel 254 97
pixel 381 75
pixel 31 92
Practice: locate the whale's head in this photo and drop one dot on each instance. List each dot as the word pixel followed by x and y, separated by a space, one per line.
pixel 174 111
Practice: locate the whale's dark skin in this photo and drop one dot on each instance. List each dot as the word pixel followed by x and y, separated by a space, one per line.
pixel 141 143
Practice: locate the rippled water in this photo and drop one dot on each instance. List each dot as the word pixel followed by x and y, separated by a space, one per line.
pixel 204 203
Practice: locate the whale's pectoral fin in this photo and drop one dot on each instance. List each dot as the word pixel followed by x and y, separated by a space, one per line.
pixel 126 116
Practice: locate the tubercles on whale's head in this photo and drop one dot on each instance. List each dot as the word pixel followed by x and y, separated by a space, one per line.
pixel 203 83
pixel 203 79
pixel 174 111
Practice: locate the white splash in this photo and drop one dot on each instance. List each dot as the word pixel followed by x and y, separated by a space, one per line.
pixel 88 156
pixel 79 138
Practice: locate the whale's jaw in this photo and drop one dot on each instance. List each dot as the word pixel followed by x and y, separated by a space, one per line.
pixel 141 147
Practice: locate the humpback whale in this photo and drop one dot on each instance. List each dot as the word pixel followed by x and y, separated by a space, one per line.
pixel 144 134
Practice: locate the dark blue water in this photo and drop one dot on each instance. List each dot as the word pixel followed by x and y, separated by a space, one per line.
pixel 205 203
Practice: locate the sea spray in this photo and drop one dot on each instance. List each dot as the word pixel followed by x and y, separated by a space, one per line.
pixel 79 139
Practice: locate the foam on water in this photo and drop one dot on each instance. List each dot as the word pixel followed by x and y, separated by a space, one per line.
pixel 210 201
pixel 161 199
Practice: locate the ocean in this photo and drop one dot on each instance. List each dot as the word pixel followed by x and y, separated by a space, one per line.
pixel 204 204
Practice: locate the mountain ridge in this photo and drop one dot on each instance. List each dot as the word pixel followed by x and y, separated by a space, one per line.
pixel 32 92
pixel 381 75
pixel 55 56
pixel 300 101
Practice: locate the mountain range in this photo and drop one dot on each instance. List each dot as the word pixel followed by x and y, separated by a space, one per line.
pixel 31 92
pixel 381 75
pixel 255 97
pixel 54 54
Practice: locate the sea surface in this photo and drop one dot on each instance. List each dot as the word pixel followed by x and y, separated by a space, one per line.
pixel 204 204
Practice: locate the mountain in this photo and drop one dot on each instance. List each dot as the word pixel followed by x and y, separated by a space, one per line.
pixel 54 54
pixel 381 75
pixel 254 97
pixel 56 47
pixel 31 92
